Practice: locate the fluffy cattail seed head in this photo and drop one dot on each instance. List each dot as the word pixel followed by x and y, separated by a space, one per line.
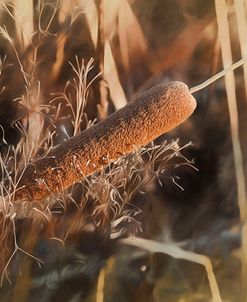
pixel 155 112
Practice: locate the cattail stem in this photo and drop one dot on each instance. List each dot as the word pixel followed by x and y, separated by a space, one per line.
pixel 157 111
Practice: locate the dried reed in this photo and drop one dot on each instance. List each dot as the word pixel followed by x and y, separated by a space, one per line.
pixel 224 38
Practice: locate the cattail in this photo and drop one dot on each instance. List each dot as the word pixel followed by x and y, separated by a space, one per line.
pixel 155 112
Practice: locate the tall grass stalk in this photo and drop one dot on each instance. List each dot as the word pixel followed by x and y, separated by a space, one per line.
pixel 24 21
pixel 112 78
pixel 224 38
pixel 101 285
pixel 242 30
pixel 91 14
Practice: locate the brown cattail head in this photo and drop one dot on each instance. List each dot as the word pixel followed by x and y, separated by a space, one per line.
pixel 155 112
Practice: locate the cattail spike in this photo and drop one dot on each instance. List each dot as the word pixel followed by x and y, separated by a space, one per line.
pixel 157 111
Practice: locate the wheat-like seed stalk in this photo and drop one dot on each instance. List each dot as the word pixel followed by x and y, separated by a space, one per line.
pixel 155 112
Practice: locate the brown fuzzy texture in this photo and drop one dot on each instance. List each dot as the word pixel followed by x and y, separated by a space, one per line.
pixel 157 111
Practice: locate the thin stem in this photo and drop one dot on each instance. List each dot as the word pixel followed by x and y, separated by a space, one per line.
pixel 219 75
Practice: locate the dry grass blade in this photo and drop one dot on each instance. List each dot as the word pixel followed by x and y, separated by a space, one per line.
pixel 242 29
pixel 112 78
pixel 100 286
pixel 133 45
pixel 176 252
pixel 64 10
pixel 60 55
pixel 91 14
pixel 224 38
pixel 111 12
pixel 24 21
pixel 103 104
